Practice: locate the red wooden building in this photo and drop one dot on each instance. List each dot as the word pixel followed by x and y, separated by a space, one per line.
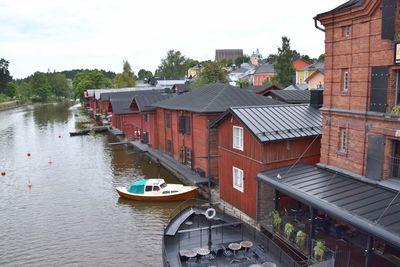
pixel 182 123
pixel 253 139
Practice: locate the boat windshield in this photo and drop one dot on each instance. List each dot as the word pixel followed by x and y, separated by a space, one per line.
pixel 163 185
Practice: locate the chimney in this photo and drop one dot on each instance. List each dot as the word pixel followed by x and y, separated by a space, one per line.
pixel 317 98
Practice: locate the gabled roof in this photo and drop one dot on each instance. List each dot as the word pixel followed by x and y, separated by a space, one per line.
pixel 265 68
pixel 127 93
pixel 319 66
pixel 273 123
pixel 373 209
pixel 213 98
pixel 263 89
pixel 144 101
pixel 290 96
pixel 300 64
pixel 348 4
pixel 296 87
pixel 120 106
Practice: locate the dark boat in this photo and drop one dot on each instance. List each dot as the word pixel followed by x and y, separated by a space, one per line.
pixel 80 132
pixel 201 236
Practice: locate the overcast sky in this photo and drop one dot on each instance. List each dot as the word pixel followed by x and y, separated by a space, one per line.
pixel 62 35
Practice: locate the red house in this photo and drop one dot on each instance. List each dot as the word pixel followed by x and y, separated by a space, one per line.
pixel 253 139
pixel 182 123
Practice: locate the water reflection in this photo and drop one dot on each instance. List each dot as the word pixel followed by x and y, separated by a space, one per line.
pixel 45 114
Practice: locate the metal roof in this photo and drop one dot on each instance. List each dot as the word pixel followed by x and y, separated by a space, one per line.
pixel 272 123
pixel 297 87
pixel 346 5
pixel 121 106
pixel 144 101
pixel 216 97
pixel 128 92
pixel 290 96
pixel 372 209
pixel 265 68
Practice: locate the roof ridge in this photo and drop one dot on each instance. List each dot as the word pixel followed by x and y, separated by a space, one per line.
pixel 215 97
pixel 270 106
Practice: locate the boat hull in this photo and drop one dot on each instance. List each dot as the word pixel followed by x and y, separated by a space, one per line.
pixel 172 197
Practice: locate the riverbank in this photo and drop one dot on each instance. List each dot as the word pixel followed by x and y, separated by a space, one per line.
pixel 9 105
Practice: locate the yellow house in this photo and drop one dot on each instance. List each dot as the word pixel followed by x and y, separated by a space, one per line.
pixel 303 74
pixel 194 71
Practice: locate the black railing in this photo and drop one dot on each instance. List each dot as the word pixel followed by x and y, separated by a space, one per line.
pixel 395 167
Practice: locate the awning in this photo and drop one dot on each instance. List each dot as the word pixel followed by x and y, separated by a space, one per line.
pixel 370 208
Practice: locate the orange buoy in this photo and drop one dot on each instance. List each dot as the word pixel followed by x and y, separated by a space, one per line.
pixel 50 162
pixel 3 173
pixel 29 183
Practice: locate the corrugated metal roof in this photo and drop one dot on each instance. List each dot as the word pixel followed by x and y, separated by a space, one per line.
pixel 145 101
pixel 272 123
pixel 346 5
pixel 121 106
pixel 372 209
pixel 297 87
pixel 291 96
pixel 127 93
pixel 216 97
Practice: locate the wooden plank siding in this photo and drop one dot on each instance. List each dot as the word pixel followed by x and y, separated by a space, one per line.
pixel 255 158
pixel 196 140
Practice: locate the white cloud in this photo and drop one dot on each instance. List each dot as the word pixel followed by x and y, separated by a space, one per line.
pixel 61 35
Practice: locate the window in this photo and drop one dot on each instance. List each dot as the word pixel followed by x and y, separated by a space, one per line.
pixel 149 188
pixel 346 31
pixel 346 79
pixel 184 124
pixel 238 137
pixel 395 160
pixel 342 140
pixel 189 157
pixel 169 146
pixel 305 74
pixel 146 117
pixel 397 100
pixel 238 179
pixel 168 119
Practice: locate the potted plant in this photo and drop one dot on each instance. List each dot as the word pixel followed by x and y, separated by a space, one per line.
pixel 300 238
pixel 288 229
pixel 396 110
pixel 319 250
pixel 277 219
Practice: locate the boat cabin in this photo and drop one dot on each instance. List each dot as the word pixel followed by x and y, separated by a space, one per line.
pixel 147 185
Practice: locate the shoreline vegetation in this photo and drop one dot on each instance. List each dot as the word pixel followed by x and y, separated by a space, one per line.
pixel 10 105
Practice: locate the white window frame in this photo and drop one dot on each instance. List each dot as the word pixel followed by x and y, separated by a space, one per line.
pixel 342 140
pixel 346 80
pixel 237 141
pixel 237 179
pixel 346 31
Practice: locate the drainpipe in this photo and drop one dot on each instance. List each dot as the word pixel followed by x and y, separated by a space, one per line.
pixel 368 251
pixel 209 182
pixel 317 26
pixel 312 230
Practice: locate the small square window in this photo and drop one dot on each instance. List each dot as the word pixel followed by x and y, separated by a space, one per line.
pixel 346 31
pixel 238 137
pixel 238 179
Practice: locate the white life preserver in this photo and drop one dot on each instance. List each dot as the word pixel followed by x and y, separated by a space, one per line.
pixel 210 213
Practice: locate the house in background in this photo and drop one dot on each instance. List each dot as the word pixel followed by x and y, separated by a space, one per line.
pixel 315 79
pixel 221 54
pixel 299 66
pixel 257 138
pixel 263 73
pixel 352 195
pixel 194 71
pixel 263 89
pixel 182 123
pixel 244 72
pixel 256 58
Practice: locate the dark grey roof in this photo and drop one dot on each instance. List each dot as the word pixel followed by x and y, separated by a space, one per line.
pixel 255 89
pixel 144 101
pixel 121 106
pixel 272 123
pixel 319 66
pixel 216 97
pixel 265 68
pixel 346 5
pixel 296 87
pixel 290 96
pixel 368 207
pixel 126 94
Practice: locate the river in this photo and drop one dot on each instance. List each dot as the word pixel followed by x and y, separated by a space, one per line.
pixel 72 215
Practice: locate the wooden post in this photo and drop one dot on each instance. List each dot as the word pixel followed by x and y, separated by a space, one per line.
pixel 312 230
pixel 276 199
pixel 368 251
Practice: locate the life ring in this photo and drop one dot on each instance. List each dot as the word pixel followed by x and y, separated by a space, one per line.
pixel 210 213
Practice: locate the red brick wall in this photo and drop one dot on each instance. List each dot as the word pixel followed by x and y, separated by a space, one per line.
pixel 259 79
pixel 150 127
pixel 358 53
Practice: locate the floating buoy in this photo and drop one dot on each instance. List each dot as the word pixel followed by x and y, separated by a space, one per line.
pixel 29 183
pixel 3 173
pixel 29 154
pixel 50 162
pixel 59 136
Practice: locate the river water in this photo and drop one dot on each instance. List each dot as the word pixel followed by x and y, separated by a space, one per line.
pixel 72 215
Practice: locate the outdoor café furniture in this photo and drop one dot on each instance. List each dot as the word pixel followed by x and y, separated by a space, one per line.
pixel 188 253
pixel 255 265
pixel 203 251
pixel 268 264
pixel 234 247
pixel 246 244
pixel 188 224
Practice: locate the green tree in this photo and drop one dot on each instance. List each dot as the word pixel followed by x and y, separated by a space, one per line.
pixel 5 76
pixel 40 86
pixel 321 58
pixel 59 85
pixel 213 72
pixel 144 74
pixel 92 79
pixel 173 66
pixel 284 65
pixel 11 89
pixel 23 91
pixel 126 78
pixel 242 59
